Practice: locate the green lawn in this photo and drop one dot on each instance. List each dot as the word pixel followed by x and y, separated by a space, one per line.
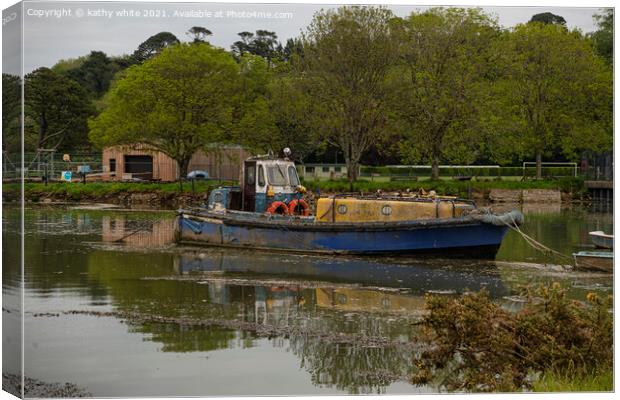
pixel 93 190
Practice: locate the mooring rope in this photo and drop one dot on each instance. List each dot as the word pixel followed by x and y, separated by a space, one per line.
pixel 536 245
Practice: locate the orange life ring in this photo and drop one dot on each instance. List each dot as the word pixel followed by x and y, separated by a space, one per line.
pixel 278 207
pixel 298 207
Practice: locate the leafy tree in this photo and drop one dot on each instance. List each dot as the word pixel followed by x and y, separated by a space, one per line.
pixel 290 107
pixel 293 47
pixel 11 112
pixel 603 38
pixel 153 46
pixel 58 108
pixel 344 68
pixel 95 73
pixel 176 103
pixel 254 127
pixel 273 112
pixel 199 34
pixel 444 62
pixel 65 65
pixel 555 94
pixel 548 18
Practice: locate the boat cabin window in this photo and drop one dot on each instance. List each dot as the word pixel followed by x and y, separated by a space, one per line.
pixel 250 175
pixel 292 176
pixel 276 175
pixel 261 176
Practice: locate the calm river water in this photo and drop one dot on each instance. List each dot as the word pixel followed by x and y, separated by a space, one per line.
pixel 112 305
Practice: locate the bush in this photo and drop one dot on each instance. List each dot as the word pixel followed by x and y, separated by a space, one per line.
pixel 476 345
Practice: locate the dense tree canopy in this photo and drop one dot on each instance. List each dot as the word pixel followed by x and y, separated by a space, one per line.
pixel 263 43
pixel 177 103
pixel 153 46
pixel 199 34
pixel 11 113
pixel 57 109
pixel 347 55
pixel 444 62
pixel 95 73
pixel 554 92
pixel 603 38
pixel 548 18
pixel 358 85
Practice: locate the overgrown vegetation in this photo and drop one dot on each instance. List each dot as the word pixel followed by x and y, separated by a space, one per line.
pixel 552 343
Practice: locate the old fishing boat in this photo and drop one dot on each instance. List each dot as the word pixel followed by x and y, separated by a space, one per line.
pixel 268 212
pixel 602 240
pixel 595 260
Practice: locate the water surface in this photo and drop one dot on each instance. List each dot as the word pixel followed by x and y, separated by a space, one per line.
pixel 112 305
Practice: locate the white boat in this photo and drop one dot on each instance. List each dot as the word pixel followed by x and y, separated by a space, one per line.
pixel 602 240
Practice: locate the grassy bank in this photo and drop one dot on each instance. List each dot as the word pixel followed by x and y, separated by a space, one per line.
pixel 102 190
pixel 575 186
pixel 595 381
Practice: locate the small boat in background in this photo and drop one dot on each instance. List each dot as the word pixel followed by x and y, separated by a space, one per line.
pixel 602 240
pixel 595 260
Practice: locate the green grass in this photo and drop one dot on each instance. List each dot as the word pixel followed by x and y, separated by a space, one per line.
pixel 597 381
pixel 449 187
pixel 93 190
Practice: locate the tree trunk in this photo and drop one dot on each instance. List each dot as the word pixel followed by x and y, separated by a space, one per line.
pixel 538 164
pixel 352 166
pixel 183 164
pixel 42 130
pixel 435 168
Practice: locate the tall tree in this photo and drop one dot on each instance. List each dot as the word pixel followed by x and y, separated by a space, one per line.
pixel 603 37
pixel 58 108
pixel 153 46
pixel 555 95
pixel 548 18
pixel 347 56
pixel 176 103
pixel 199 34
pixel 444 62
pixel 263 43
pixel 11 112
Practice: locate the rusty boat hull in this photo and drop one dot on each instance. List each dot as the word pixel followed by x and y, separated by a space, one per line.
pixel 466 236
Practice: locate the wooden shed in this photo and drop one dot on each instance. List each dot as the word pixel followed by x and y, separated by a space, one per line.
pixel 140 162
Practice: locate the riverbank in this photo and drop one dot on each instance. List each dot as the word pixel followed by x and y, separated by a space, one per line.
pixel 34 388
pixel 171 195
pixel 159 195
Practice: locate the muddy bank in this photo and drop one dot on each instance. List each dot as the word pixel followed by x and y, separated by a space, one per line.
pixel 37 389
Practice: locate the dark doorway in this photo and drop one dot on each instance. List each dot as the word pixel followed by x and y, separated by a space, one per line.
pixel 139 166
pixel 112 164
pixel 249 186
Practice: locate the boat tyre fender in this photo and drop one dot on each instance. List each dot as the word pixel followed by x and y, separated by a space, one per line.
pixel 298 207
pixel 278 207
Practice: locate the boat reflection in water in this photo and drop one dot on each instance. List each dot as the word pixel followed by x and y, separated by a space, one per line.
pixel 410 275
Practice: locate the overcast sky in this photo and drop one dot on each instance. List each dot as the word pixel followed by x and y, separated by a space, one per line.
pixel 60 30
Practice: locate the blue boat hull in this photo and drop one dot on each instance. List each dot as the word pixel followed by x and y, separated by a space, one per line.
pixel 455 237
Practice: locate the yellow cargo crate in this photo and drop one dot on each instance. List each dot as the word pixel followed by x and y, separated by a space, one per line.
pixel 378 210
